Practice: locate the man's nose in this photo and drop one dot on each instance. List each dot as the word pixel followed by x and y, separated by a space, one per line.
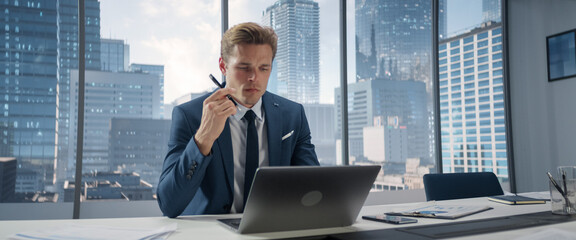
pixel 252 76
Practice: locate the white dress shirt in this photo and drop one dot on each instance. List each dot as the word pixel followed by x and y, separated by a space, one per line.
pixel 238 128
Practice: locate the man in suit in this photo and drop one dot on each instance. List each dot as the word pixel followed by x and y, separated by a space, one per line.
pixel 206 170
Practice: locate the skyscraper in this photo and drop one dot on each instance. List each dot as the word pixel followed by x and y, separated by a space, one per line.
pixel 111 95
pixel 139 145
pixel 7 178
pixel 397 103
pixel 442 19
pixel 68 60
pixel 473 130
pixel 393 40
pixel 393 77
pixel 158 71
pixel 321 121
pixel 491 10
pixel 28 87
pixel 296 74
pixel 114 55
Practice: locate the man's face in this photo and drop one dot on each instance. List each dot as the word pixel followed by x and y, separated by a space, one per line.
pixel 247 70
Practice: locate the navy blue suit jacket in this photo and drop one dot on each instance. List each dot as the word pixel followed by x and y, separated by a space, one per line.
pixel 192 183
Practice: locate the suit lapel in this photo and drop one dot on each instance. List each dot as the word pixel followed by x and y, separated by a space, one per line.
pixel 225 149
pixel 273 127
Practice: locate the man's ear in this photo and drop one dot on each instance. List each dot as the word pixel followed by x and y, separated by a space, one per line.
pixel 222 66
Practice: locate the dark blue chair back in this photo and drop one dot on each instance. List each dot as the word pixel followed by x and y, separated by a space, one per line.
pixel 445 186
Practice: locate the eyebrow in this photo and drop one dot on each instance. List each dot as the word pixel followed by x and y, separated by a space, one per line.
pixel 249 64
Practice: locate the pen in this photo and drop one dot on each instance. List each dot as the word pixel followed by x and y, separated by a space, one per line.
pixel 564 181
pixel 556 184
pixel 564 194
pixel 220 86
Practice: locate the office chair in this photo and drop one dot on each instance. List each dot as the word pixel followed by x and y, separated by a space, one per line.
pixel 445 186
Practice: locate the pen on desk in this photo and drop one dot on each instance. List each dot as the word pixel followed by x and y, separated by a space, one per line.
pixel 220 86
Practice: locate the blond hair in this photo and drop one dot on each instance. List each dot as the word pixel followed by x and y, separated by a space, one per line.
pixel 247 33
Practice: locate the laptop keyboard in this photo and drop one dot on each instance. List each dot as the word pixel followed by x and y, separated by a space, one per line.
pixel 231 222
pixel 235 222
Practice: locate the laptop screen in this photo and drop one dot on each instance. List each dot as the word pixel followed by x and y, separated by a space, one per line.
pixel 306 197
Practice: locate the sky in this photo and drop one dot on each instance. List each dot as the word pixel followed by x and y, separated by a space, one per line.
pixel 184 36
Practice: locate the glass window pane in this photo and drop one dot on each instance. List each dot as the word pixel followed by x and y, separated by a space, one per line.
pixel 390 100
pixel 478 24
pixel 306 66
pixel 30 87
pixel 138 75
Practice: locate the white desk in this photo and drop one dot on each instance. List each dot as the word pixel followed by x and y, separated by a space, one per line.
pixel 206 227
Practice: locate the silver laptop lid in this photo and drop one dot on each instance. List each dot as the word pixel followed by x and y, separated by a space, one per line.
pixel 306 197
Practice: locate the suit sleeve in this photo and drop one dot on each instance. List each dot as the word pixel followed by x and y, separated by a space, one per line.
pixel 304 153
pixel 183 169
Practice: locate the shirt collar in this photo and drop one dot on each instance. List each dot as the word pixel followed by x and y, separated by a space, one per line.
pixel 257 108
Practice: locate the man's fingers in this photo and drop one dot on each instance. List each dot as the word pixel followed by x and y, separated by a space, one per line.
pixel 221 106
pixel 221 93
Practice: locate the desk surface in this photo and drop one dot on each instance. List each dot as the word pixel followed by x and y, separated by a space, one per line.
pixel 206 227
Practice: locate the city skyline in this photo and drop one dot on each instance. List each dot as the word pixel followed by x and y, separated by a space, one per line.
pixel 158 44
pixel 127 94
pixel 295 71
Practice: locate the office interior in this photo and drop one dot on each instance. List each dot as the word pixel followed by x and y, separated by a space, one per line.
pixel 541 119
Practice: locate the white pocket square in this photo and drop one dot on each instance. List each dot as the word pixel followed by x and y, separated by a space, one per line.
pixel 288 135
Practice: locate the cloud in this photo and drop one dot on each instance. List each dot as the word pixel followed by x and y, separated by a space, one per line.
pixel 188 61
pixel 184 36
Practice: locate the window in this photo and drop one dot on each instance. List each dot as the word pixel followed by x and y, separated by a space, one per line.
pixel 126 114
pixel 482 51
pixel 176 66
pixel 455 44
pixel 455 58
pixel 482 36
pixel 387 53
pixel 481 44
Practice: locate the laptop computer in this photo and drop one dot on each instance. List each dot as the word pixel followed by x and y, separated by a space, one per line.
pixel 304 197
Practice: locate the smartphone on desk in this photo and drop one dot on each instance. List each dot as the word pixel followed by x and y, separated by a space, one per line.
pixel 390 219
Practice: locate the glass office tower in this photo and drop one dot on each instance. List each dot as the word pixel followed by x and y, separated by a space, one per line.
pixel 28 88
pixel 393 40
pixel 442 19
pixel 112 95
pixel 114 55
pixel 388 104
pixel 139 146
pixel 68 60
pixel 472 102
pixel 491 10
pixel 296 70
pixel 157 70
pixel 393 45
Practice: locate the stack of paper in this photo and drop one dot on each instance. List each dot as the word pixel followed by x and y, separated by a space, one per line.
pixel 93 232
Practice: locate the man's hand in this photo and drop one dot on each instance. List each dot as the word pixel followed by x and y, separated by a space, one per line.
pixel 217 108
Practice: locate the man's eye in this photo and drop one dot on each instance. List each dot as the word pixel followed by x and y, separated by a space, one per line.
pixel 264 69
